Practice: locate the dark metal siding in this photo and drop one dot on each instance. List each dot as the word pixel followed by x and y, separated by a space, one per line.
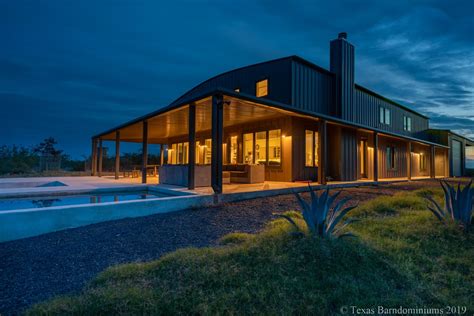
pixel 349 155
pixel 400 170
pixel 278 73
pixel 366 111
pixel 342 64
pixel 312 90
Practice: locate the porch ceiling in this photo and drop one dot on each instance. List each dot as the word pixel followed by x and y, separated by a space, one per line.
pixel 175 122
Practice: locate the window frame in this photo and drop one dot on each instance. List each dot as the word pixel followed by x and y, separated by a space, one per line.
pixel 385 115
pixel 314 148
pixel 268 147
pixel 390 152
pixel 407 123
pixel 256 88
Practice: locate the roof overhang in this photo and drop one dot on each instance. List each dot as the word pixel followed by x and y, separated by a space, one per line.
pixel 250 99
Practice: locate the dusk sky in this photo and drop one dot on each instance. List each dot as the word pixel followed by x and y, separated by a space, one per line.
pixel 71 69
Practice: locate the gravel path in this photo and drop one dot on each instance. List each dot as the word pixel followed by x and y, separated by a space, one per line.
pixel 38 268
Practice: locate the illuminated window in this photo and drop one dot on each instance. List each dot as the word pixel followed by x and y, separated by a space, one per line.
pixel 391 157
pixel 262 88
pixel 274 147
pixel 172 153
pixel 311 149
pixel 207 151
pixel 309 145
pixel 248 148
pixel 198 153
pixel 179 153
pixel 261 147
pixel 237 89
pixel 233 149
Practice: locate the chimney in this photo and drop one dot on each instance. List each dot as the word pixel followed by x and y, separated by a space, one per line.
pixel 342 65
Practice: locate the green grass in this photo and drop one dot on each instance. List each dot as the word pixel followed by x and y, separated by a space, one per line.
pixel 403 256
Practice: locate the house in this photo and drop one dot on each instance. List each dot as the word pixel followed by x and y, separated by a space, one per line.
pixel 287 120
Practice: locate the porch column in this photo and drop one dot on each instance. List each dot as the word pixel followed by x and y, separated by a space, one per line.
pixel 144 150
pixel 217 130
pixel 101 154
pixel 117 154
pixel 161 154
pixel 192 145
pixel 432 162
pixel 376 156
pixel 322 151
pixel 409 161
pixel 94 157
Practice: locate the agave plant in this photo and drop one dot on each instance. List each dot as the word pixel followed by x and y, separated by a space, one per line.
pixel 320 216
pixel 457 204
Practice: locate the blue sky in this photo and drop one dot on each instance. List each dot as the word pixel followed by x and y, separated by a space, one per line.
pixel 70 69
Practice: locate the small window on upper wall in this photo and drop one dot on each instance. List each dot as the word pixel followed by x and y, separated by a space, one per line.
pixel 262 88
pixel 385 115
pixel 407 123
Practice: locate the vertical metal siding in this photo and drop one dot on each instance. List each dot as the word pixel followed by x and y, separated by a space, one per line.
pixel 277 72
pixel 312 90
pixel 366 107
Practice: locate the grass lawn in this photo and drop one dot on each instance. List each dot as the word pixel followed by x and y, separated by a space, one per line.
pixel 402 257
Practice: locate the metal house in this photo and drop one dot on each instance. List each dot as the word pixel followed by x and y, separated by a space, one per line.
pixel 288 120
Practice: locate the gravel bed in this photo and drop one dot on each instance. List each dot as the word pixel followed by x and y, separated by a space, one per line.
pixel 38 268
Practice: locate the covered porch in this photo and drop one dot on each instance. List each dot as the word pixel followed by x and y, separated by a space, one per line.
pixel 225 141
pixel 255 145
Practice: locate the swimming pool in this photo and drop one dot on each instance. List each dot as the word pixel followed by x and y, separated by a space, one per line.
pixel 76 199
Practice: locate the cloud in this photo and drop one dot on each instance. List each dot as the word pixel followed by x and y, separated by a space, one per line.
pixel 86 66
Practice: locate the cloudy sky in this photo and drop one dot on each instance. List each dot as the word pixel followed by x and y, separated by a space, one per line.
pixel 70 69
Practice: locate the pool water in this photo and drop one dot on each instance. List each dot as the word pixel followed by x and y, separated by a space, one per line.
pixel 49 201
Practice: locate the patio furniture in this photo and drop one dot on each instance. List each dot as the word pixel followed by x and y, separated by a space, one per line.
pixel 243 173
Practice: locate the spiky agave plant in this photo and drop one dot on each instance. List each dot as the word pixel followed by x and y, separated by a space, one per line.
pixel 320 216
pixel 457 204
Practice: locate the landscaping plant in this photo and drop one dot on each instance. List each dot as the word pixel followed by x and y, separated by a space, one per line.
pixel 457 205
pixel 321 216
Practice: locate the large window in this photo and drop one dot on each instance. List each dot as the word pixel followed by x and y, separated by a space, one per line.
pixel 391 157
pixel 267 147
pixel 262 88
pixel 274 147
pixel 179 153
pixel 407 123
pixel 233 149
pixel 261 147
pixel 207 151
pixel 385 115
pixel 311 148
pixel 248 148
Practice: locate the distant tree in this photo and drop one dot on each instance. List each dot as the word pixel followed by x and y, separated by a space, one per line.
pixel 47 148
pixel 17 160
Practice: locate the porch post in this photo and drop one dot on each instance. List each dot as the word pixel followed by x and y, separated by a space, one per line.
pixel 161 154
pixel 101 154
pixel 94 157
pixel 409 161
pixel 432 162
pixel 322 151
pixel 192 145
pixel 376 156
pixel 217 129
pixel 144 150
pixel 117 154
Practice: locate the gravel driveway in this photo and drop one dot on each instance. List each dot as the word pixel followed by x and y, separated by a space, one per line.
pixel 35 269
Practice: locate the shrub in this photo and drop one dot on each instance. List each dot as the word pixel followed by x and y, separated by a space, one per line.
pixel 457 205
pixel 320 216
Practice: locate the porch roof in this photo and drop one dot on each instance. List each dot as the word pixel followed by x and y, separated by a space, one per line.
pixel 173 119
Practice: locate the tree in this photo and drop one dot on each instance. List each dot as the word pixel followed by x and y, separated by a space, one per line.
pixel 46 148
